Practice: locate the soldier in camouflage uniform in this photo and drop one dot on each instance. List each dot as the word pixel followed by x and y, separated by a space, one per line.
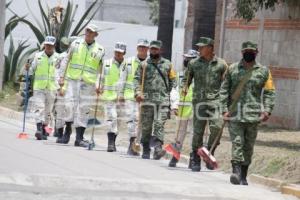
pixel 208 72
pixel 254 105
pixel 160 78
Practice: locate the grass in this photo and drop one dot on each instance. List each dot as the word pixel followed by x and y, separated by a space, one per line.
pixel 274 166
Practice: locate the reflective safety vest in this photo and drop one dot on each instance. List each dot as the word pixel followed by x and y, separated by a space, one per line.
pixel 185 108
pixel 111 80
pixel 85 62
pixel 129 85
pixel 44 75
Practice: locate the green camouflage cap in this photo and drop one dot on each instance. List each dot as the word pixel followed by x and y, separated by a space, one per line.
pixel 156 44
pixel 249 45
pixel 204 41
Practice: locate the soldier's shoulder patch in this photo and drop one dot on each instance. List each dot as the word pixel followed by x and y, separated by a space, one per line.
pixel 269 84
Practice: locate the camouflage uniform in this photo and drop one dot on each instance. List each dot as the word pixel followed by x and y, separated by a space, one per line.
pixel 155 109
pixel 207 77
pixel 257 96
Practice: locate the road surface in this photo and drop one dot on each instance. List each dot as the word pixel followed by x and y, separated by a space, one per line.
pixel 31 169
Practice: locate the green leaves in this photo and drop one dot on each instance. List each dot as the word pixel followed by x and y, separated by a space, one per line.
pixel 246 9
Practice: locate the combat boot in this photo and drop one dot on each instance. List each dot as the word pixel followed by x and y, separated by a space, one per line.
pixel 59 132
pixel 66 137
pixel 195 162
pixel 146 151
pixel 130 150
pixel 173 162
pixel 45 132
pixel 190 161
pixel 79 142
pixel 235 177
pixel 111 146
pixel 39 131
pixel 159 152
pixel 244 172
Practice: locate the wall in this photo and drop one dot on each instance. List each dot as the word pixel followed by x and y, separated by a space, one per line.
pixel 278 36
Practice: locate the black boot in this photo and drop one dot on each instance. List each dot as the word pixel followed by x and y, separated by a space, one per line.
pixel 235 177
pixel 56 134
pixel 79 142
pixel 146 151
pixel 159 152
pixel 130 150
pixel 173 162
pixel 111 146
pixel 59 132
pixel 44 131
pixel 195 162
pixel 39 131
pixel 190 161
pixel 244 172
pixel 66 137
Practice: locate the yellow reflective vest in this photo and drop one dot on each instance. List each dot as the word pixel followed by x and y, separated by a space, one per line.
pixel 44 73
pixel 185 108
pixel 129 85
pixel 111 79
pixel 85 62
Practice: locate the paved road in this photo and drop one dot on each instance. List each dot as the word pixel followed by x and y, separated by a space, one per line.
pixel 32 170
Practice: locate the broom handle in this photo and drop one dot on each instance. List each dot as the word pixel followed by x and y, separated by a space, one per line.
pixel 217 139
pixel 140 106
pixel 97 100
pixel 181 113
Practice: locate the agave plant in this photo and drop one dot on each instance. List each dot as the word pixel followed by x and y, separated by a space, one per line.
pixel 16 57
pixel 47 27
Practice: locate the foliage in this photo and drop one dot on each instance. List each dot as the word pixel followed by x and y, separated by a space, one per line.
pixel 246 9
pixel 154 11
pixel 64 29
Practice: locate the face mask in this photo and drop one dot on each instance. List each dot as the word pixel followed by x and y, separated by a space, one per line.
pixel 249 57
pixel 154 56
pixel 185 63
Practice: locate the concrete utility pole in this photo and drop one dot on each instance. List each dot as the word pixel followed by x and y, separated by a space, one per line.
pixel 2 32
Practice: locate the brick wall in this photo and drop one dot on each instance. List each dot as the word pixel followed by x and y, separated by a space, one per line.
pixel 278 36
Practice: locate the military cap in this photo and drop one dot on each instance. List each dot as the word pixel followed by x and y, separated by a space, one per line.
pixel 120 47
pixel 204 41
pixel 191 54
pixel 156 44
pixel 249 45
pixel 143 43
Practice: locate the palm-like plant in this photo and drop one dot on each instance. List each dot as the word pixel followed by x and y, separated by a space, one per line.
pixel 18 55
pixel 59 30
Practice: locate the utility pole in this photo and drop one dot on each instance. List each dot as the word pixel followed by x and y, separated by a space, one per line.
pixel 2 32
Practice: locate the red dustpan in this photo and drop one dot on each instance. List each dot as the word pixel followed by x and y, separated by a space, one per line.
pixel 22 135
pixel 207 157
pixel 173 149
pixel 48 130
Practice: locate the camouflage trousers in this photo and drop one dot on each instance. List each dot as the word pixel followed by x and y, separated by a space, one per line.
pixel 204 114
pixel 153 119
pixel 243 136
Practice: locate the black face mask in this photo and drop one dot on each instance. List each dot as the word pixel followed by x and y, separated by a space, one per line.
pixel 185 63
pixel 154 56
pixel 249 57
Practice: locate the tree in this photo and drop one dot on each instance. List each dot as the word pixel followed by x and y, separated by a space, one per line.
pixel 154 10
pixel 200 21
pixel 2 35
pixel 246 9
pixel 166 25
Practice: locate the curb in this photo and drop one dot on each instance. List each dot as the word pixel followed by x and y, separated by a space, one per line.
pixel 283 187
